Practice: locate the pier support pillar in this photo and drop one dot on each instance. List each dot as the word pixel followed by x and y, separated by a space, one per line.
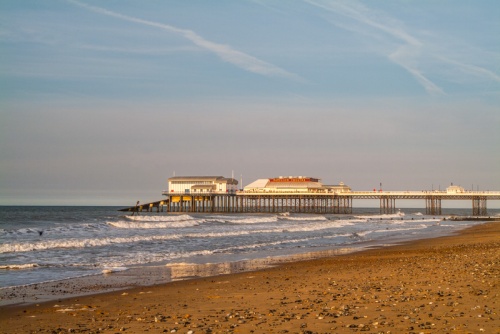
pixel 479 206
pixel 433 205
pixel 342 204
pixel 387 205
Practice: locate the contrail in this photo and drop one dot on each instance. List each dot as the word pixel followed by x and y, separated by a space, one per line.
pixel 472 69
pixel 224 52
pixel 405 56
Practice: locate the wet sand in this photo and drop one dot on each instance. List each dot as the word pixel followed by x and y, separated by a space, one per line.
pixel 442 285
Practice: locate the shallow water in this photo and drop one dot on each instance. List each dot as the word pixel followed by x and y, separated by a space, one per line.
pixel 40 244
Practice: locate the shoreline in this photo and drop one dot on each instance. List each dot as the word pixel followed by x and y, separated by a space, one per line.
pixel 449 283
pixel 144 276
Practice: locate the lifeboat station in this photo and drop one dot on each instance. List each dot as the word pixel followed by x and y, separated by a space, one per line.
pixel 294 194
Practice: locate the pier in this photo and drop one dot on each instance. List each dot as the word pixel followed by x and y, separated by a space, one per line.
pixel 314 203
pixel 295 194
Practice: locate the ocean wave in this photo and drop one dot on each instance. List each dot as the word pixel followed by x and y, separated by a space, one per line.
pixel 19 266
pixel 262 244
pixel 246 220
pixel 321 225
pixel 59 230
pixel 303 218
pixel 22 231
pixel 383 216
pixel 183 264
pixel 158 224
pixel 161 218
pixel 113 270
pixel 187 221
pixel 395 230
pixel 148 258
pixel 78 243
pixel 234 249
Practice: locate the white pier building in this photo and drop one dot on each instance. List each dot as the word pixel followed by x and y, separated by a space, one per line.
pixel 294 185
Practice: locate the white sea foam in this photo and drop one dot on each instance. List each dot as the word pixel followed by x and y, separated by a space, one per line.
pixel 304 218
pixel 147 257
pixel 253 246
pixel 157 225
pixel 383 216
pixel 290 227
pixel 260 245
pixel 245 220
pixel 321 225
pixel 78 243
pixel 181 264
pixel 160 218
pixel 187 221
pixel 19 266
pixel 394 230
pixel 113 270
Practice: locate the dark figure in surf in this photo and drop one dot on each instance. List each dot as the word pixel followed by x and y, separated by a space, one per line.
pixel 136 209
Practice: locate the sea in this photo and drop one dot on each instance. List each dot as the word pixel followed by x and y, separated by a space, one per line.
pixel 50 243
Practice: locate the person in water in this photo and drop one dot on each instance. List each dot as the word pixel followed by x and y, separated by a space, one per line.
pixel 136 209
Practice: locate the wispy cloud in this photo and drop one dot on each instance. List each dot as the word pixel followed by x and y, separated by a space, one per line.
pixel 405 56
pixel 224 52
pixel 146 51
pixel 409 48
pixel 473 70
pixel 368 17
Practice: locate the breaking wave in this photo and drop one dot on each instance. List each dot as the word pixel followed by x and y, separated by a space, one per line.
pixel 77 243
pixel 304 218
pixel 19 266
pixel 162 218
pixel 245 220
pixel 158 224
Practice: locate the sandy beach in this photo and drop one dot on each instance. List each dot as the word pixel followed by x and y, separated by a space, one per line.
pixel 442 285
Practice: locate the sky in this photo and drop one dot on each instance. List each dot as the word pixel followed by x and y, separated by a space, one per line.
pixel 102 101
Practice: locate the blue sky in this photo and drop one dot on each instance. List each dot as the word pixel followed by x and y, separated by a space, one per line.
pixel 101 101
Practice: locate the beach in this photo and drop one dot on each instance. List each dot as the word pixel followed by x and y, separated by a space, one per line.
pixel 444 284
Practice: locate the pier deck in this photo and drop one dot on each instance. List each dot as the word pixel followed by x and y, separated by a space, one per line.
pixel 148 207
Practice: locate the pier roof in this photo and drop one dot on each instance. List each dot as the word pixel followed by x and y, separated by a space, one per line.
pixel 285 183
pixel 305 184
pixel 260 183
pixel 219 179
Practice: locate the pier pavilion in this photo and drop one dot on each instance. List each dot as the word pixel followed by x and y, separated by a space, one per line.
pixel 200 193
pixel 202 184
